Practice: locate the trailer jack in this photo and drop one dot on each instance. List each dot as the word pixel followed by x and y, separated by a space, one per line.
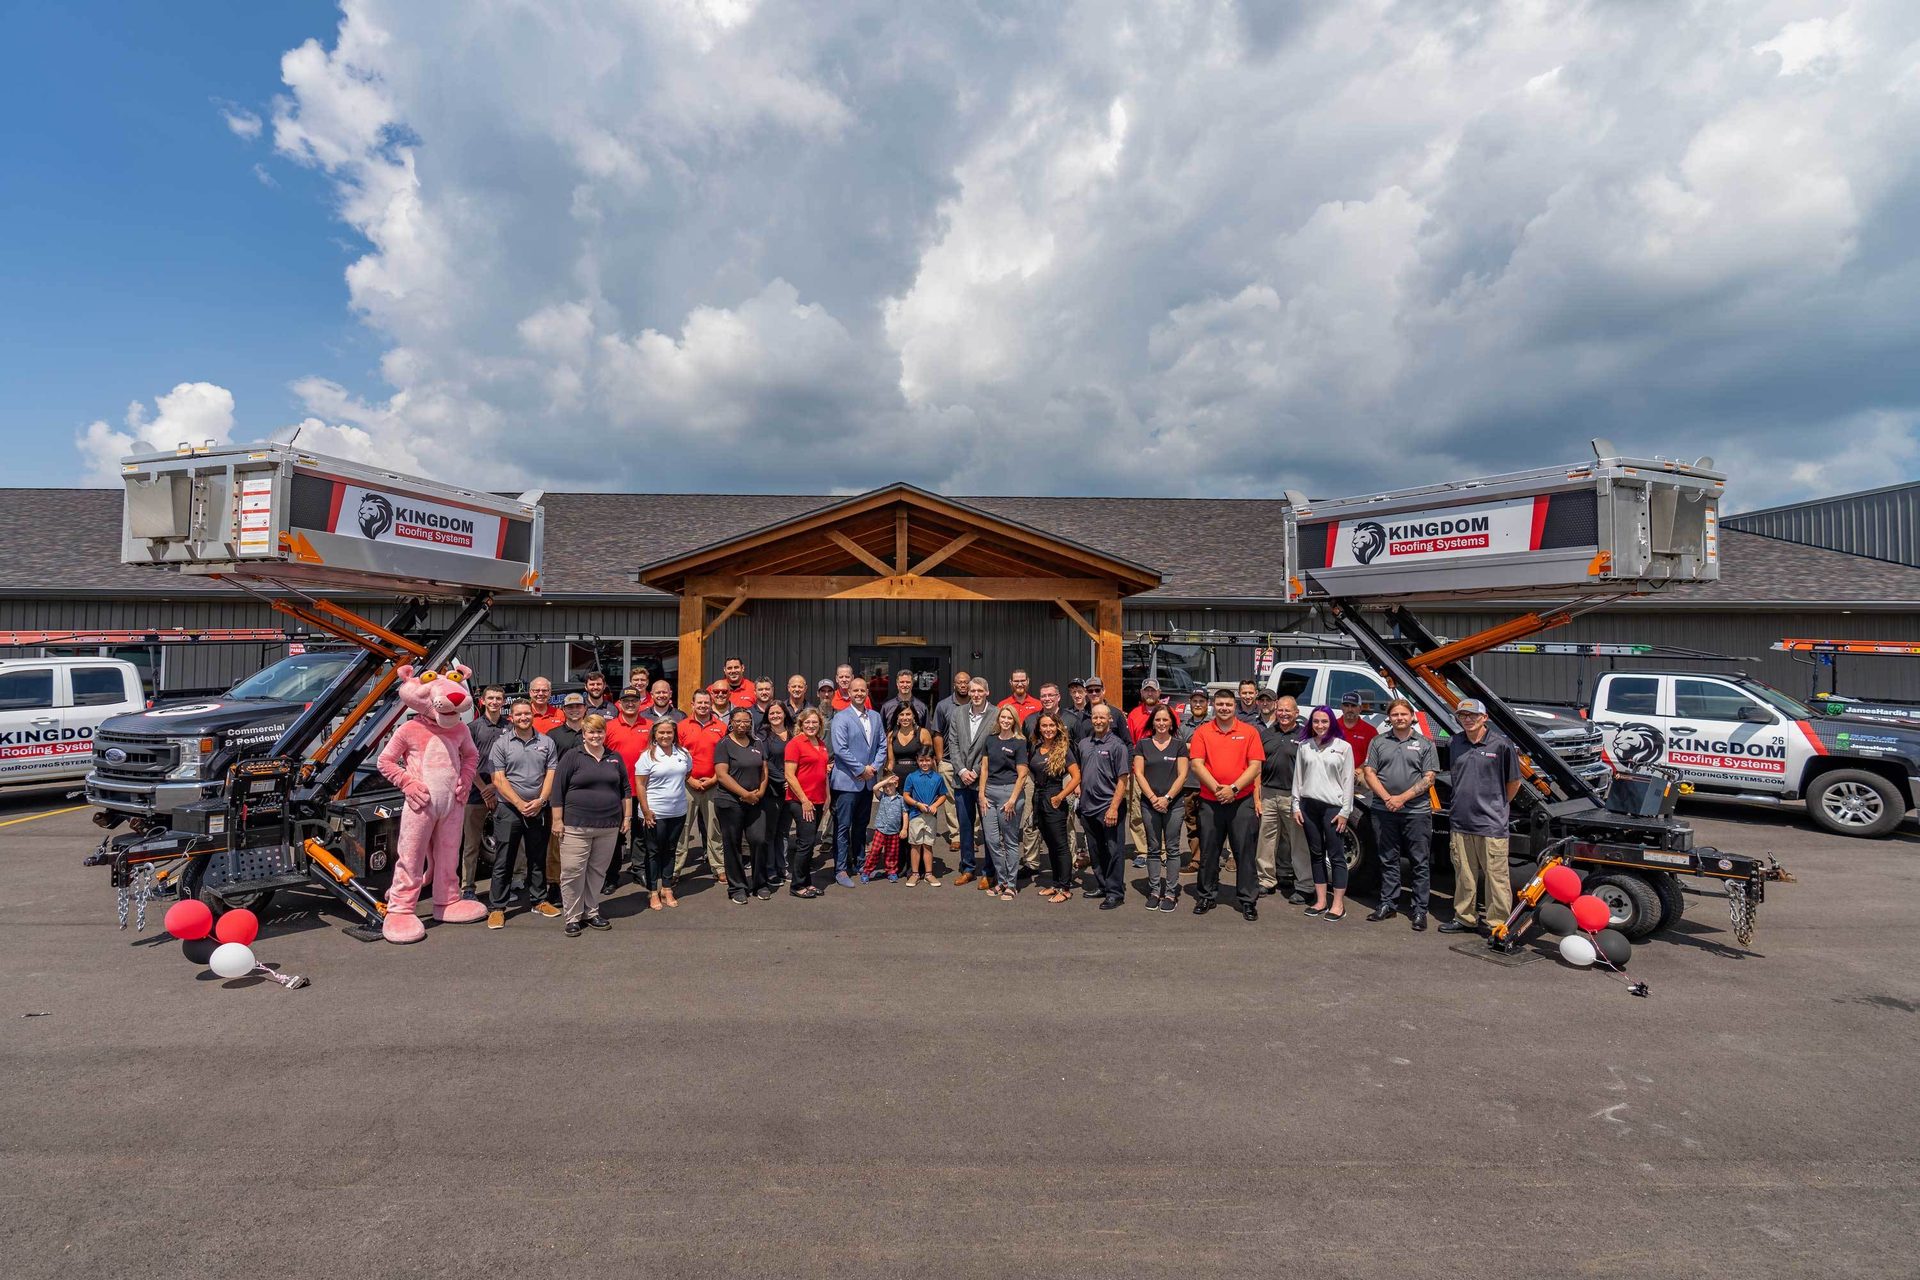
pixel 337 878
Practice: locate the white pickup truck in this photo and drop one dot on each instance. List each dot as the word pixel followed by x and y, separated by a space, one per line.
pixel 49 709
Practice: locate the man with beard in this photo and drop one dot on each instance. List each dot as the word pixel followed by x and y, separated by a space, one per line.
pixel 1280 739
pixel 1227 755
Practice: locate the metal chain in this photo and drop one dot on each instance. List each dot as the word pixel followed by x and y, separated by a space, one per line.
pixel 123 897
pixel 1741 910
pixel 145 881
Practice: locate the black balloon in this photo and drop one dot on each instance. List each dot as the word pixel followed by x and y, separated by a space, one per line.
pixel 1557 917
pixel 1613 944
pixel 198 950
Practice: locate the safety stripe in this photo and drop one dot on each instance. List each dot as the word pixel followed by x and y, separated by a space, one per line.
pixel 333 507
pixel 1539 521
pixel 1813 739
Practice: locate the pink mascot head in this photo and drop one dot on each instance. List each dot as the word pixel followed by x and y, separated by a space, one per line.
pixel 440 697
pixel 432 759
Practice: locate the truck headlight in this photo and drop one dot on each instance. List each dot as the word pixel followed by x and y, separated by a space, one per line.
pixel 193 754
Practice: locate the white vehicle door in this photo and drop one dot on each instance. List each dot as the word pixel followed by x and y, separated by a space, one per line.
pixel 1720 735
pixel 1629 716
pixel 30 746
pixel 97 694
pixel 1373 694
pixel 1294 682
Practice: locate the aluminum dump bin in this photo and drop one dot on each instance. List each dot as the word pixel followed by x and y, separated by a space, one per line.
pixel 1616 524
pixel 277 513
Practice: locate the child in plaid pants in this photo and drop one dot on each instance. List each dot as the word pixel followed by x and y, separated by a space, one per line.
pixel 889 819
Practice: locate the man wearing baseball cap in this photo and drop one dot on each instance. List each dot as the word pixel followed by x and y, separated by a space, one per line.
pixel 1360 734
pixel 1485 770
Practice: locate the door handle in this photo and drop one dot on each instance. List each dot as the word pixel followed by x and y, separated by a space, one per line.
pixel 47 720
pixel 1684 728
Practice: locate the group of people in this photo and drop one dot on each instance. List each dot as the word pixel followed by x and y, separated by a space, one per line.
pixel 765 788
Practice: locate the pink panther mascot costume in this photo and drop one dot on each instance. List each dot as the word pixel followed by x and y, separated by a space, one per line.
pixel 432 759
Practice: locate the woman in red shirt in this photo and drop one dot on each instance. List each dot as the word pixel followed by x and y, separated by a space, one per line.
pixel 806 760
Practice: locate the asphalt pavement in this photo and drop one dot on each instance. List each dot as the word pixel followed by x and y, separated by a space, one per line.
pixel 895 1081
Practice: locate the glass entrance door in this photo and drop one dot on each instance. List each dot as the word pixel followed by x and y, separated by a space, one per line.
pixel 932 668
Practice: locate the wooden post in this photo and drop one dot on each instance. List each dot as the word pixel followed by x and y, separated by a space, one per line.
pixel 1107 645
pixel 693 617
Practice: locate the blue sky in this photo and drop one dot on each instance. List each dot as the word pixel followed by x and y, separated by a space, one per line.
pixel 142 250
pixel 1069 246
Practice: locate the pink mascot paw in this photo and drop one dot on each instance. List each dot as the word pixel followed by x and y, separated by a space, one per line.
pixel 403 926
pixel 463 911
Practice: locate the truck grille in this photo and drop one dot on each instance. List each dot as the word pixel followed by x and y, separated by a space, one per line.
pixel 1576 749
pixel 146 759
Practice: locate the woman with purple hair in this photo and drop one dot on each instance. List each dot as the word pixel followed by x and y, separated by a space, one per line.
pixel 1322 803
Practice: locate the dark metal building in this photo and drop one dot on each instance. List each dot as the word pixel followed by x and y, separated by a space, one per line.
pixel 59 569
pixel 1881 523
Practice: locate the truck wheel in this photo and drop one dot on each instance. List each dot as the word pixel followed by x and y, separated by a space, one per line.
pixel 254 902
pixel 1634 904
pixel 1672 900
pixel 1853 802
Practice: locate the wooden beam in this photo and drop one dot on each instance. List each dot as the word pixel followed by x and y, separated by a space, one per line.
pixel 693 613
pixel 733 607
pixel 1107 647
pixel 901 587
pixel 1079 619
pixel 899 539
pixel 859 552
pixel 960 543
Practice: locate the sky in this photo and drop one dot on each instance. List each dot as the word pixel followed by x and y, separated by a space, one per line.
pixel 985 246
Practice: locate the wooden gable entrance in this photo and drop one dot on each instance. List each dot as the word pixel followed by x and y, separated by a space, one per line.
pixel 897 543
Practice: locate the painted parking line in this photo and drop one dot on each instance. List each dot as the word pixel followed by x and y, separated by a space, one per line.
pixel 51 813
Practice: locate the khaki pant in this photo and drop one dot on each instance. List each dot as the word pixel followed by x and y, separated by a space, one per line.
pixel 585 855
pixel 1032 848
pixel 949 823
pixel 471 831
pixel 1481 860
pixel 1136 827
pixel 700 810
pixel 1279 831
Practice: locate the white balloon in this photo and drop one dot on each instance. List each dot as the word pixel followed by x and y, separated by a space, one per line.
pixel 235 960
pixel 1575 949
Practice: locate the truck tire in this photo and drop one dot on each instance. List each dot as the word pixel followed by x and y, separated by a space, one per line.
pixel 1672 901
pixel 1854 802
pixel 254 902
pixel 1632 900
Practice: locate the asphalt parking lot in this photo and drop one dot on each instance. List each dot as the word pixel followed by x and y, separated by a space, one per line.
pixel 892 1081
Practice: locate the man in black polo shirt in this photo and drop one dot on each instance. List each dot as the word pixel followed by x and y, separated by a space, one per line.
pixel 1485 771
pixel 1401 765
pixel 903 697
pixel 1105 763
pixel 1280 737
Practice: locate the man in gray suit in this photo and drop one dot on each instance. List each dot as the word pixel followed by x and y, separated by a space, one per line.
pixel 963 744
pixel 858 743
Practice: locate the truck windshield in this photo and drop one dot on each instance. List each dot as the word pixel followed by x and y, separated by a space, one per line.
pixel 301 678
pixel 1780 701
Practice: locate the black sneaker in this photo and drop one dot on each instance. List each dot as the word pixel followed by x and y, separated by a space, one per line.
pixel 574 928
pixel 738 897
pixel 1092 893
pixel 765 895
pixel 599 922
pixel 1153 900
pixel 1316 911
pixel 1167 901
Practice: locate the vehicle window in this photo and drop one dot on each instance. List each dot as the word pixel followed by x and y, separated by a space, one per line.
pixel 1294 683
pixel 1372 693
pixel 30 689
pixel 97 686
pixel 1634 695
pixel 1781 702
pixel 301 678
pixel 1709 700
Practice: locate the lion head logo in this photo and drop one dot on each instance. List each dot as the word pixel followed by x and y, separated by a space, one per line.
pixel 1369 540
pixel 376 515
pixel 1635 744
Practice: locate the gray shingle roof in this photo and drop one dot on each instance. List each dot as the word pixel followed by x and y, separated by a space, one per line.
pixel 68 541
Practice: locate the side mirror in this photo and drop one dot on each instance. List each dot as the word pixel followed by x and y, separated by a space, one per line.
pixel 1756 715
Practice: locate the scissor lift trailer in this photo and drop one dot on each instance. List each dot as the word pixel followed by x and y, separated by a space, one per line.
pixel 1589 534
pixel 282 523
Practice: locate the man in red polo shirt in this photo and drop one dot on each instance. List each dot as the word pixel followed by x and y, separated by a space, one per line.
pixel 699 734
pixel 1360 734
pixel 1023 703
pixel 547 716
pixel 842 681
pixel 628 733
pixel 1226 755
pixel 739 688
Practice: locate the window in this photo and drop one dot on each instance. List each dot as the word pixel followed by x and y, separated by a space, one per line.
pixel 1634 695
pixel 1294 682
pixel 1373 694
pixel 30 689
pixel 97 686
pixel 1709 700
pixel 299 678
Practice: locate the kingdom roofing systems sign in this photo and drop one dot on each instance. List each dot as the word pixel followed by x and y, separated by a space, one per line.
pixel 385 517
pixel 1490 528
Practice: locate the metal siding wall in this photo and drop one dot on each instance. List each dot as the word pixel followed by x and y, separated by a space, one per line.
pixel 812 637
pixel 1885 526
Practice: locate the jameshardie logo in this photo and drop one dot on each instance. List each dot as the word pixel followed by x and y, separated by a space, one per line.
pixel 1635 744
pixel 376 515
pixel 1369 540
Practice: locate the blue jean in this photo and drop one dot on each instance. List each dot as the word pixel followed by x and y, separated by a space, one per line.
pixel 851 810
pixel 966 811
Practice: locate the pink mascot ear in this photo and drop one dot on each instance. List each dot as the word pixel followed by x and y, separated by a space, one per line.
pixel 462 668
pixel 404 671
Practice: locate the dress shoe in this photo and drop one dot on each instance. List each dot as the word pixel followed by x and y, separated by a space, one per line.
pixel 1385 911
pixel 1298 898
pixel 1250 912
pixel 1201 908
pixel 1419 922
pixel 1456 926
pixel 1111 904
pixel 965 877
pixel 599 922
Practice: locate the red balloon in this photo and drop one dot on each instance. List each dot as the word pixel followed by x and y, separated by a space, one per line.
pixel 189 919
pixel 239 925
pixel 1590 913
pixel 1561 881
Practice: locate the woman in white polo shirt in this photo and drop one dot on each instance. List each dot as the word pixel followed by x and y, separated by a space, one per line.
pixel 660 786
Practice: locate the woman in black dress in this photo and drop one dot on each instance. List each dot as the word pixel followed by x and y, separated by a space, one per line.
pixel 774 735
pixel 1056 777
pixel 905 744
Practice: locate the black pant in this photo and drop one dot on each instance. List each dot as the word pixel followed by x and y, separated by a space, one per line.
pixel 1324 841
pixel 780 814
pixel 1410 833
pixel 1106 853
pixel 801 849
pixel 1235 822
pixel 743 846
pixel 663 849
pixel 1053 833
pixel 515 835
